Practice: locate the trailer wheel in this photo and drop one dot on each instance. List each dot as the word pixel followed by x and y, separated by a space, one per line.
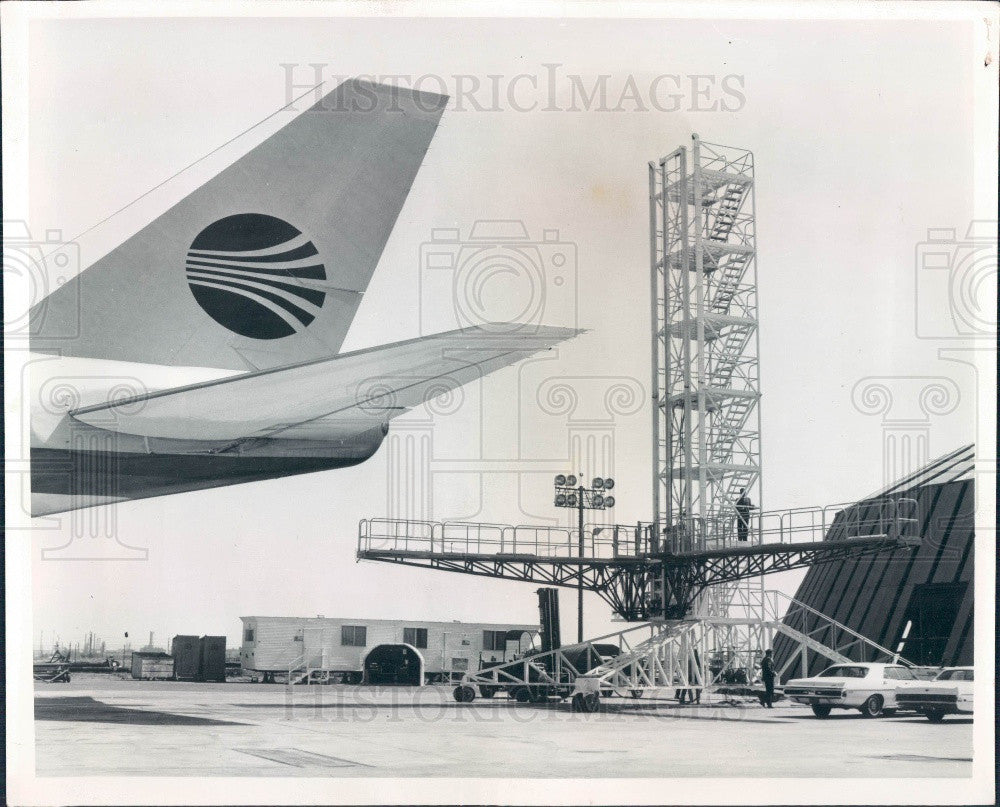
pixel 464 694
pixel 635 693
pixel 522 695
pixel 486 691
pixel 538 695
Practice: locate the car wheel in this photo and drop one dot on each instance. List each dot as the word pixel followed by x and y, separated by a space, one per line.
pixel 872 707
pixel 935 716
pixel 821 711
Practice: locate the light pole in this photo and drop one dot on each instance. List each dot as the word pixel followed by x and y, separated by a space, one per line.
pixel 570 492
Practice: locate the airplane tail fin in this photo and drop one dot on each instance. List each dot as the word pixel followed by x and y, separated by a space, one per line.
pixel 265 264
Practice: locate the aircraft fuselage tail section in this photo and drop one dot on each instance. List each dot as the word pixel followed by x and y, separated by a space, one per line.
pixel 266 263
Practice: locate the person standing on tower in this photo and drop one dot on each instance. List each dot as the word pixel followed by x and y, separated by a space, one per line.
pixel 743 508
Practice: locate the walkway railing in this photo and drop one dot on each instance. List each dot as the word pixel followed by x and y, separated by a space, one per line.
pixel 890 516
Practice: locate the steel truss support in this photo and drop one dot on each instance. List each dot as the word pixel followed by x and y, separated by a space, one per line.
pixel 671 658
pixel 697 655
pixel 649 587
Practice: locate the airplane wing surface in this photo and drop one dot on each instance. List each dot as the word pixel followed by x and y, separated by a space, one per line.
pixel 323 399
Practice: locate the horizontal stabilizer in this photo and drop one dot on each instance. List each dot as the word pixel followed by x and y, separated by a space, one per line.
pixel 325 399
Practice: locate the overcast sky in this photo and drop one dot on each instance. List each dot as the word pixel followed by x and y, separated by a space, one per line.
pixel 862 135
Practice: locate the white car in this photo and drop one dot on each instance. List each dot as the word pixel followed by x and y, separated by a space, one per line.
pixel 949 693
pixel 868 687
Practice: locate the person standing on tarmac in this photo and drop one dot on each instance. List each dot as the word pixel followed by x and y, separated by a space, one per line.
pixel 767 676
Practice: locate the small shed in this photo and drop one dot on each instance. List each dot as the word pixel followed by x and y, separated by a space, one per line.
pixel 212 658
pixel 186 651
pixel 152 665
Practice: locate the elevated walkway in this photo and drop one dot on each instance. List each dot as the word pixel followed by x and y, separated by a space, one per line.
pixel 643 575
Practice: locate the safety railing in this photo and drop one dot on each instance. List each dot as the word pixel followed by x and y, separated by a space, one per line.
pixel 892 517
pixel 406 535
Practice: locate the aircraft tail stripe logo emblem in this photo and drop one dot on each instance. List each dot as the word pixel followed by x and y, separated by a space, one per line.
pixel 256 275
pixel 291 251
pixel 309 269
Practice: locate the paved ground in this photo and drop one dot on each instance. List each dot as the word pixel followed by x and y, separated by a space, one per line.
pixel 97 727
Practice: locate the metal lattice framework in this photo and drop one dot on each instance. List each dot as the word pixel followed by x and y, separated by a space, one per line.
pixel 696 654
pixel 705 370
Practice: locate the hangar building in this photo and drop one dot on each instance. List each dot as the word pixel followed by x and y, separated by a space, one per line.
pixel 918 604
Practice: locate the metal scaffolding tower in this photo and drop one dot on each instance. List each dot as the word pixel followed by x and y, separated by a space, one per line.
pixel 705 366
pixel 705 369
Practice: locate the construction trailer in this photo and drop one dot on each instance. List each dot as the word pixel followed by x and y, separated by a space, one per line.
pixel 375 651
pixel 152 665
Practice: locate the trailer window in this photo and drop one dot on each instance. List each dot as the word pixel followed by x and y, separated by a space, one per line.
pixel 494 640
pixel 415 636
pixel 354 635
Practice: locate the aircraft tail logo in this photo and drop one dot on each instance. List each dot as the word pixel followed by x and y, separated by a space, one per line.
pixel 256 275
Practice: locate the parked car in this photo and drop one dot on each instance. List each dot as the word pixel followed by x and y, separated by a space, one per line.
pixel 950 693
pixel 868 687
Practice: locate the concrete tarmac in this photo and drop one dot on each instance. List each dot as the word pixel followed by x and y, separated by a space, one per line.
pixel 95 726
